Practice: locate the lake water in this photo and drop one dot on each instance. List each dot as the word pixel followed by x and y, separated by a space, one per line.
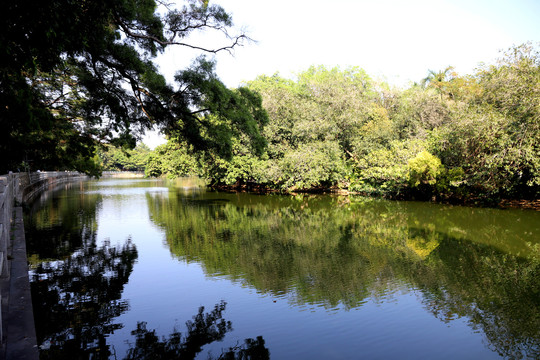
pixel 146 269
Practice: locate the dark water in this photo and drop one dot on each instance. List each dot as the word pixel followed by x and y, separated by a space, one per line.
pixel 143 269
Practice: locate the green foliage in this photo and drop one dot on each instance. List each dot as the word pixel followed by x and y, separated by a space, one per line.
pixel 171 159
pixel 495 130
pixel 75 75
pixel 239 169
pixel 116 159
pixel 310 166
pixel 419 111
pixel 512 88
pixel 223 114
pixel 315 123
pixel 424 169
pixel 228 137
pixel 440 80
pixel 452 136
pixel 385 170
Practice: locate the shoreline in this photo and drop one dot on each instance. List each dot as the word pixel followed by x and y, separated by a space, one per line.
pixel 525 204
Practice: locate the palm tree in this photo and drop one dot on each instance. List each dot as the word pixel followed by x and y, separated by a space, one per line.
pixel 438 79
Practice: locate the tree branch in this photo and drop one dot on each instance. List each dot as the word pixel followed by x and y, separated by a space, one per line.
pixel 236 40
pixel 199 111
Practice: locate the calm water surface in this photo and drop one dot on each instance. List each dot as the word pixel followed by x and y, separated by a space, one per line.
pixel 146 269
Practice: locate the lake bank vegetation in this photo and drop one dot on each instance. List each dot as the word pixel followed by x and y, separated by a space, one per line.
pixel 74 92
pixel 449 137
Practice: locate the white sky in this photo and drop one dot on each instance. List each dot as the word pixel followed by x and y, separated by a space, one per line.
pixel 396 40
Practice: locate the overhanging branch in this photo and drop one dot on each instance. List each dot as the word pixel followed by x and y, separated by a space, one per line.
pixel 236 40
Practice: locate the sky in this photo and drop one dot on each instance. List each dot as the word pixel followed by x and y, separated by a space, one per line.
pixel 397 41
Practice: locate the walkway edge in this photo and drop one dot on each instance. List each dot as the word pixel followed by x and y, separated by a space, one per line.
pixel 21 332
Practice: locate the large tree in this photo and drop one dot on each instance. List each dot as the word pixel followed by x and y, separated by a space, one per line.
pixel 77 73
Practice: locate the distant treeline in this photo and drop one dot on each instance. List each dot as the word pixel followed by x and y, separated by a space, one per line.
pixel 448 136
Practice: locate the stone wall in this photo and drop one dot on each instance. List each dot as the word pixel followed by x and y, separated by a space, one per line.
pixel 9 188
pixel 15 190
pixel 19 188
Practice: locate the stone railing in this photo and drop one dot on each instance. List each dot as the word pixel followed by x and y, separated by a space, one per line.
pixel 32 184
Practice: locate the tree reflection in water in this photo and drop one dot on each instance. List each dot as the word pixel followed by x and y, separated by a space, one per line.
pixel 202 330
pixel 474 264
pixel 76 300
pixel 66 222
pixel 369 250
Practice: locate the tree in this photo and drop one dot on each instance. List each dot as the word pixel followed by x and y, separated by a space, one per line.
pixel 172 159
pixel 494 132
pixel 439 79
pixel 118 159
pixel 77 74
pixel 339 128
pixel 424 171
pixel 512 88
pixel 315 123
